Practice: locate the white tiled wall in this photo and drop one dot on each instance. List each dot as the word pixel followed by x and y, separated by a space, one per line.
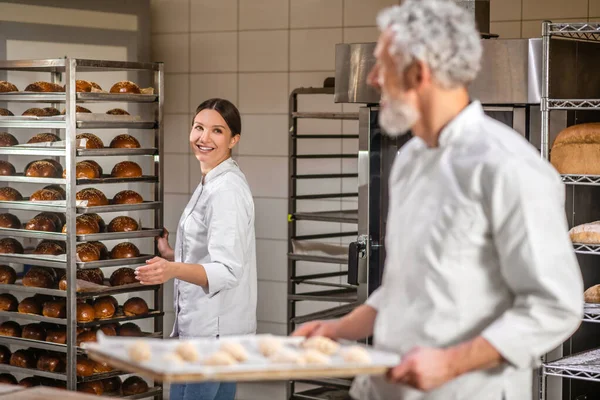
pixel 254 53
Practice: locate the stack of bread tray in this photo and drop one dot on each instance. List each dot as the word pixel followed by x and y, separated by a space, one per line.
pixel 65 292
pixel 240 358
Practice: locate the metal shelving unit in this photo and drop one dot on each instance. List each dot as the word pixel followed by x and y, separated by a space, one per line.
pixel 312 248
pixel 67 69
pixel 584 365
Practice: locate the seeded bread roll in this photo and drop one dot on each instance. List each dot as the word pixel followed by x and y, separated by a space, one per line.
pixel 78 109
pixel 126 169
pixel 84 170
pixel 99 220
pixel 10 221
pixel 44 87
pixel 7 169
pixel 93 196
pixel 58 219
pixel 124 142
pixel 117 111
pixel 8 302
pixel 94 275
pixel 29 305
pixel 93 141
pixel 46 195
pixel 34 112
pixel 41 223
pixel 125 87
pixel 104 254
pixel 10 246
pixel 6 113
pixel 62 193
pixel 6 87
pixel 49 247
pixel 87 252
pixel 124 250
pixel 123 276
pixel 123 223
pixel 10 194
pixel 8 276
pixel 55 309
pixel 135 306
pixel 40 277
pixel 51 111
pixel 85 225
pixel 44 137
pixel 127 197
pixel 82 86
pixel 7 140
pixel 10 328
pixel 42 169
pixel 95 165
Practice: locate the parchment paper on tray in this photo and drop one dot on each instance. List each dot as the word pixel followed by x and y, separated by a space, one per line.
pixel 164 366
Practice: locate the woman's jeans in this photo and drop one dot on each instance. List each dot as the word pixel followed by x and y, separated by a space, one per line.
pixel 203 391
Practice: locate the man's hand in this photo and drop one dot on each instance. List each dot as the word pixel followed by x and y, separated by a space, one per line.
pixel 319 328
pixel 156 272
pixel 424 369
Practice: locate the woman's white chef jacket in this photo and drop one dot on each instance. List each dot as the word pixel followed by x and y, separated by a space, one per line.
pixel 216 230
pixel 476 244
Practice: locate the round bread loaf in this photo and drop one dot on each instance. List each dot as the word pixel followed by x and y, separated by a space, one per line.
pixel 34 112
pixel 87 252
pixel 126 169
pixel 576 150
pixel 85 367
pixel 42 299
pixel 8 302
pixel 134 385
pixel 44 137
pixel 44 87
pixel 92 387
pixel 135 306
pixel 10 328
pixel 78 109
pixel 85 313
pixel 49 247
pixel 10 221
pixel 7 140
pixel 102 368
pixel 51 363
pixel 10 246
pixel 23 359
pixel 104 254
pixel 123 276
pixel 94 275
pixel 57 335
pixel 87 336
pixel 8 276
pixel 39 277
pixel 129 329
pixel 29 382
pixel 42 169
pixel 95 165
pixel 6 87
pixel 108 330
pixel 124 142
pixel 10 194
pixel 99 220
pixel 46 195
pixel 57 165
pixel 125 87
pixel 7 169
pixel 117 111
pixel 7 113
pixel 29 305
pixel 41 223
pixel 57 218
pixel 123 223
pixel 63 195
pixel 84 225
pixel 112 385
pixel 93 196
pixel 34 332
pixel 92 142
pixel 83 86
pixel 84 170
pixel 127 197
pixel 4 355
pixel 55 309
pixel 105 307
pixel 7 379
pixel 124 250
pixel 51 112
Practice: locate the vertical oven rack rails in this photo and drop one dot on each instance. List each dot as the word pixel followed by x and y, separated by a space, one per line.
pixel 72 121
pixel 584 365
pixel 342 293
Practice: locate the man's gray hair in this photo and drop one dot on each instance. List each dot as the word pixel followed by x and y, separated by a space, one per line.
pixel 438 33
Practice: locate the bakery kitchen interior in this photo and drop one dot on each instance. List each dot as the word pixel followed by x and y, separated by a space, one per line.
pixel 97 101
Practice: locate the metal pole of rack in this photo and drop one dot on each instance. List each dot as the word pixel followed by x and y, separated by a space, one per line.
pixel 71 266
pixel 545 112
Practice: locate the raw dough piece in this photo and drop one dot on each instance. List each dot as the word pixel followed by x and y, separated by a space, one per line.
pixel 173 359
pixel 220 358
pixel 287 356
pixel 269 346
pixel 236 350
pixel 357 355
pixel 315 357
pixel 188 352
pixel 140 351
pixel 322 344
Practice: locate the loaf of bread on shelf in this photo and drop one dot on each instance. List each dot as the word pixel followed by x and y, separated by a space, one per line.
pixel 117 111
pixel 31 306
pixel 125 87
pixel 41 223
pixel 78 109
pixel 40 277
pixel 586 233
pixel 6 113
pixel 51 111
pixel 112 385
pixel 85 367
pixel 10 221
pixel 92 141
pixel 94 275
pixel 84 225
pixel 108 330
pixel 135 306
pixel 43 169
pixel 123 223
pixel 124 141
pixel 134 385
pixel 7 169
pixel 95 165
pixel 592 294
pixel 87 252
pixel 6 87
pixel 10 194
pixel 4 355
pixel 34 332
pixel 123 276
pixel 104 254
pixel 85 313
pixel 99 220
pixel 10 328
pixel 8 275
pixel 30 381
pixel 126 169
pixel 23 358
pixel 84 170
pixel 41 112
pixel 46 195
pixel 57 335
pixel 44 87
pixel 62 193
pixel 49 247
pixel 576 150
pixel 8 379
pixel 124 250
pixel 10 246
pixel 92 387
pixel 102 368
pixel 8 302
pixel 55 309
pixel 7 140
pixel 44 138
pixel 105 307
pixel 51 363
pixel 93 196
pixel 58 218
pixel 86 86
pixel 127 197
pixel 129 329
pixel 86 336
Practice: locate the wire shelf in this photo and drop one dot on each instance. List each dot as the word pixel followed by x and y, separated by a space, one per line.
pixel 573 104
pixel 589 180
pixel 581 30
pixel 591 313
pixel 582 366
pixel 582 248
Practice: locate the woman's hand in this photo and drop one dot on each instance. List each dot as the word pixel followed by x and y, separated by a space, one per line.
pixel 165 250
pixel 156 272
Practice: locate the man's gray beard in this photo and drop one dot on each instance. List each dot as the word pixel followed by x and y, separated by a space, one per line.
pixel 397 118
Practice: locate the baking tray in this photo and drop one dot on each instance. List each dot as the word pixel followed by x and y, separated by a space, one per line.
pixel 34 205
pixel 110 179
pixel 12 315
pixel 25 233
pixel 143 233
pixel 18 287
pixel 45 393
pixel 146 205
pixel 21 178
pixel 257 368
pixel 60 97
pixel 120 262
pixel 35 259
pixel 107 151
pixel 87 289
pixel 63 321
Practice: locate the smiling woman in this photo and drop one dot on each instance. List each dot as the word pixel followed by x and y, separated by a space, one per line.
pixel 214 260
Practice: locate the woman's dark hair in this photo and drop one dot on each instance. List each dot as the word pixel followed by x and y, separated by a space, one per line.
pixel 228 111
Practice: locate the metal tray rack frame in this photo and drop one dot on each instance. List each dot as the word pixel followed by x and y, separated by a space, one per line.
pixel 331 292
pixel 585 365
pixel 68 68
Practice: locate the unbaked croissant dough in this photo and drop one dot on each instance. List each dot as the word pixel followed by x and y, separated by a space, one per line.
pixel 187 351
pixel 269 345
pixel 357 355
pixel 220 358
pixel 140 351
pixel 236 350
pixel 315 357
pixel 322 344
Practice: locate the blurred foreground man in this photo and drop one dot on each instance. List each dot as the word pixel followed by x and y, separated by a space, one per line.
pixel 480 278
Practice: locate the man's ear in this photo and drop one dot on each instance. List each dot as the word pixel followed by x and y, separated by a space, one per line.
pixel 416 75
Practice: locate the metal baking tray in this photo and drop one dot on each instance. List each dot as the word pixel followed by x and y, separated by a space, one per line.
pixel 12 315
pixel 152 392
pixel 25 233
pixel 107 151
pixel 20 178
pixel 33 151
pixel 60 97
pixel 146 205
pixel 18 287
pixel 115 124
pixel 110 179
pixel 144 233
pixel 30 371
pixel 45 123
pixel 61 151
pixel 33 206
pixel 120 318
pixel 34 259
pixel 119 262
pixel 83 294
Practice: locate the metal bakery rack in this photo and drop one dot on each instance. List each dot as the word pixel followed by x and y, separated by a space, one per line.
pixel 569 55
pixel 68 69
pixel 311 251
